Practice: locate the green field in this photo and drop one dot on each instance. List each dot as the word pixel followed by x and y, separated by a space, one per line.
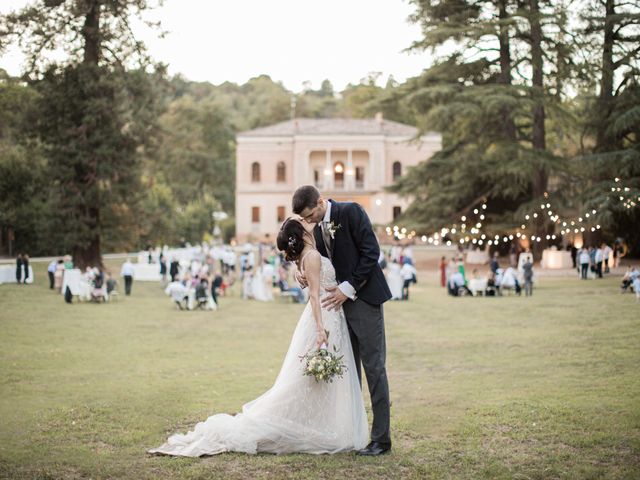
pixel 529 388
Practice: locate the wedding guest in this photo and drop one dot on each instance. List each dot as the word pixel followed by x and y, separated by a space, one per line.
pixel 216 284
pixel 598 258
pixel 456 283
pixel 494 263
pixel 68 262
pixel 58 274
pixel 627 280
pixel 574 253
pixel 127 273
pixel 179 294
pixel 527 270
pixel 513 253
pixel 606 253
pixel 111 283
pixel 443 272
pixel 25 267
pixel 298 295
pixel 51 271
pixel 163 267
pixel 584 259
pixel 409 276
pixel 19 268
pixel 510 280
pixel 174 268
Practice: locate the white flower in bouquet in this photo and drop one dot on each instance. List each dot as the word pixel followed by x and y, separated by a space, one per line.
pixel 322 364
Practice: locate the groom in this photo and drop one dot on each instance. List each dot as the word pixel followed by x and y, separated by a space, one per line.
pixel 344 235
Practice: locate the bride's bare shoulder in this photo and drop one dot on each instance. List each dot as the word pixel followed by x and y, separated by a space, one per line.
pixel 311 260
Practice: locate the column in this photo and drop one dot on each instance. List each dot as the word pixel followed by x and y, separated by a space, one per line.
pixel 328 171
pixel 350 174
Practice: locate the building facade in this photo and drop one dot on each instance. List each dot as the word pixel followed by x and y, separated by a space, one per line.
pixel 347 159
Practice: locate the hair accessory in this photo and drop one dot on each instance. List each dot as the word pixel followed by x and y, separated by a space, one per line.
pixel 292 241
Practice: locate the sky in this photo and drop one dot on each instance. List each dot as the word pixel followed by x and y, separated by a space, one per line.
pixel 292 41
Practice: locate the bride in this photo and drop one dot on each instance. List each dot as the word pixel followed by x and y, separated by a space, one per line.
pixel 297 414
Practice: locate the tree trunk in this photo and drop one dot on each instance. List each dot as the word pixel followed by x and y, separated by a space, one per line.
pixel 91 33
pixel 505 69
pixel 540 175
pixel 606 82
pixel 90 255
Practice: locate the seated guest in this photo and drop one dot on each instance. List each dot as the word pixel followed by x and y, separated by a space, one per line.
pixel 492 286
pixel 179 293
pixel 298 295
pixel 510 280
pixel 627 280
pixel 457 283
pixel 409 276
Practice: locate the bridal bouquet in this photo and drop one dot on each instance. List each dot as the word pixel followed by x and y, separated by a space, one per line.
pixel 323 364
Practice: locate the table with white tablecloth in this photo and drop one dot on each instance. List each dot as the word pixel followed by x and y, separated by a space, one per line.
pixel 477 257
pixel 556 259
pixel 75 280
pixel 146 272
pixel 8 274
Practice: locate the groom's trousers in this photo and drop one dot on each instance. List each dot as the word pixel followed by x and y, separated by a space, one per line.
pixel 366 329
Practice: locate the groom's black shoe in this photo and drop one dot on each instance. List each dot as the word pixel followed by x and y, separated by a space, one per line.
pixel 374 449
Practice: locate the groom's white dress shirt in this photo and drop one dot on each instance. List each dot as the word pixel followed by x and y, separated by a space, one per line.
pixel 345 287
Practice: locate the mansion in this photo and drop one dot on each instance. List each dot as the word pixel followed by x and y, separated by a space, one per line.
pixel 347 159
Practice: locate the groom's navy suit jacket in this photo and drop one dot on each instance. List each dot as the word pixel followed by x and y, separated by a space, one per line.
pixel 355 252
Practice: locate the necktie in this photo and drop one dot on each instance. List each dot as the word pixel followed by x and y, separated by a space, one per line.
pixel 326 236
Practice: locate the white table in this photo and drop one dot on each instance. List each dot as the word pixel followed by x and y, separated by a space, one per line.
pixel 477 257
pixel 477 285
pixel 76 282
pixel 8 274
pixel 147 272
pixel 556 259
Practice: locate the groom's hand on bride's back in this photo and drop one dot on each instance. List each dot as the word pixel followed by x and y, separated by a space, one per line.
pixel 335 298
pixel 301 279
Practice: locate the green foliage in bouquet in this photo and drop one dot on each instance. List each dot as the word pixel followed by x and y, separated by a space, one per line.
pixel 324 365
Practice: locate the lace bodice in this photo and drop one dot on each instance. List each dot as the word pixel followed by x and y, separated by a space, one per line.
pixel 327 272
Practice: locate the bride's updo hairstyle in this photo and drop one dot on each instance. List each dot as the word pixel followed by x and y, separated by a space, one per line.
pixel 291 239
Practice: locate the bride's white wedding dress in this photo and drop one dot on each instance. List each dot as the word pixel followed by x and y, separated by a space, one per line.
pixel 297 414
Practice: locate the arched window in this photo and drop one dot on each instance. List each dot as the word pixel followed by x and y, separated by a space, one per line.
pixel 281 173
pixel 397 170
pixel 255 172
pixel 338 175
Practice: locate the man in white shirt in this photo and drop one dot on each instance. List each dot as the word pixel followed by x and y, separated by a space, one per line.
pixel 51 270
pixel 598 259
pixel 127 273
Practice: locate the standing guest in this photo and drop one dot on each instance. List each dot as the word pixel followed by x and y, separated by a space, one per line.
pixel 408 273
pixel 57 276
pixel 443 272
pixel 494 263
pixel 584 262
pixel 216 283
pixel 574 253
pixel 25 267
pixel 19 268
pixel 51 271
pixel 163 267
pixel 606 253
pixel 598 257
pixel 527 270
pixel 127 273
pixel 513 254
pixel 174 268
pixel 68 262
pixel 461 267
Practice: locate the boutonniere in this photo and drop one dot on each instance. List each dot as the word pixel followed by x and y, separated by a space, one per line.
pixel 332 228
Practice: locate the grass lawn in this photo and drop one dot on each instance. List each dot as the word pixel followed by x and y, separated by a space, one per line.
pixel 529 388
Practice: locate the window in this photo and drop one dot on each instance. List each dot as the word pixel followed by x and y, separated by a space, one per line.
pixel 359 177
pixel 255 172
pixel 338 175
pixel 281 174
pixel 255 214
pixel 316 179
pixel 397 170
pixel 397 211
pixel 281 214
